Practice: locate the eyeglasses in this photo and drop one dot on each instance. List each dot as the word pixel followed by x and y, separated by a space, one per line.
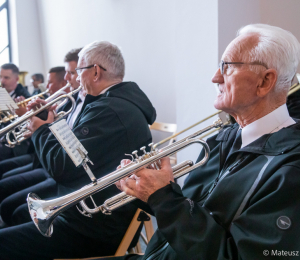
pixel 79 70
pixel 223 63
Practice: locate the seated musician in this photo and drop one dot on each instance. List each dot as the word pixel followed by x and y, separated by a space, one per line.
pixel 16 184
pixel 8 167
pixel 113 121
pixel 9 77
pixel 244 202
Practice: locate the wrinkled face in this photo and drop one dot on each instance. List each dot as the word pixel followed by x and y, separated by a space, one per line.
pixel 86 76
pixel 35 82
pixel 9 80
pixel 71 74
pixel 238 84
pixel 53 83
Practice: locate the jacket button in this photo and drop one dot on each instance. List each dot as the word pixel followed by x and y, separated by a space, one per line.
pixel 84 130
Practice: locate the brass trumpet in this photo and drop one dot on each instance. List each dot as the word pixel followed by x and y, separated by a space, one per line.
pixel 9 115
pixel 18 128
pixel 27 100
pixel 44 212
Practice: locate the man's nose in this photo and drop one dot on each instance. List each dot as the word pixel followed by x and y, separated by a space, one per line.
pixel 218 77
pixel 78 79
pixel 66 77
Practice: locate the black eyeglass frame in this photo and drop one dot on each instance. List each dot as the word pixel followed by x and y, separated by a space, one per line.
pixel 88 67
pixel 222 63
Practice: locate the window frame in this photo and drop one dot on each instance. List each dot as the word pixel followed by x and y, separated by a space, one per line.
pixel 3 6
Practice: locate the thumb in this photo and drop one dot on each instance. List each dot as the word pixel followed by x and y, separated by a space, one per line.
pixel 50 116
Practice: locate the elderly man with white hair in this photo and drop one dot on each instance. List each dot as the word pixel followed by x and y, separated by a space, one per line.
pixel 113 121
pixel 244 203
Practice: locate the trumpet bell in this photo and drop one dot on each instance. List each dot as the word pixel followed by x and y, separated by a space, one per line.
pixel 40 214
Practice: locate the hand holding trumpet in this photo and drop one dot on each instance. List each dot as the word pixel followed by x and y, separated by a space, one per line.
pixel 146 181
pixel 35 122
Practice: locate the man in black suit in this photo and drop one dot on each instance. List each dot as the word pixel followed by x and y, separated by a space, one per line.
pixel 14 189
pixel 9 76
pixel 14 183
pixel 113 121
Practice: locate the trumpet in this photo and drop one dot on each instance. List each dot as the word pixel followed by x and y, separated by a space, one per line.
pixel 26 101
pixel 44 212
pixel 10 115
pixel 6 116
pixel 18 128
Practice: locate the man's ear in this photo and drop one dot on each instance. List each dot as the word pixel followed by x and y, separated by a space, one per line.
pixel 97 72
pixel 267 83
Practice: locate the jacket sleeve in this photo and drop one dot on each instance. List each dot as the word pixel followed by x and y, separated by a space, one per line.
pixel 98 131
pixel 194 233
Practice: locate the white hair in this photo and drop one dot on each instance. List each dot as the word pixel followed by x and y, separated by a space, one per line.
pixel 278 49
pixel 106 55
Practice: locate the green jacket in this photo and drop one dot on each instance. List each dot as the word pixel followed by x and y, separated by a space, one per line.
pixel 251 212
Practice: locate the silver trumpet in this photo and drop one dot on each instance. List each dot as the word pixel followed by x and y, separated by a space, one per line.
pixel 18 127
pixel 44 212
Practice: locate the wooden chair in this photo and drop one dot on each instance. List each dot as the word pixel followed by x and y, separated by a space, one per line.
pixel 169 128
pixel 139 216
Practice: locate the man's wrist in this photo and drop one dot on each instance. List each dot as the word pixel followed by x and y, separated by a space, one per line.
pixel 164 193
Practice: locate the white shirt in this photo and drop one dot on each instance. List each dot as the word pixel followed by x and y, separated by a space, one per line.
pixel 72 116
pixel 270 123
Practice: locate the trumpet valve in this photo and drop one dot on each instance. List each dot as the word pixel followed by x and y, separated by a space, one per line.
pixel 135 154
pixel 151 145
pixel 143 149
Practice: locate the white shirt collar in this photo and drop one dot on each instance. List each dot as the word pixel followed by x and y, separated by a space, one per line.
pixel 270 123
pixel 104 90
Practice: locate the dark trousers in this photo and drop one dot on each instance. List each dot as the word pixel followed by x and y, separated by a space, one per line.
pixel 26 242
pixel 21 181
pixel 44 189
pixel 21 215
pixel 15 162
pixel 6 152
pixel 25 168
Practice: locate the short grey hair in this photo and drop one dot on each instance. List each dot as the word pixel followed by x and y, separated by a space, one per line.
pixel 278 49
pixel 107 55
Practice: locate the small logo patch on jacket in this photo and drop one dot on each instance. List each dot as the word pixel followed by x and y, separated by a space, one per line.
pixel 84 130
pixel 283 222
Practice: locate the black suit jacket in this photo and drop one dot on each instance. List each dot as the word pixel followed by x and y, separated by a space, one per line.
pixel 21 91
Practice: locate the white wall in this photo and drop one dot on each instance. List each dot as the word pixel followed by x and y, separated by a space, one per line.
pixel 29 55
pixel 196 61
pixel 233 14
pixel 143 29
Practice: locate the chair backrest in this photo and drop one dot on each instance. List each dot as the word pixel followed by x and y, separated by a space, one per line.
pixel 164 127
pixel 168 128
pixel 130 233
